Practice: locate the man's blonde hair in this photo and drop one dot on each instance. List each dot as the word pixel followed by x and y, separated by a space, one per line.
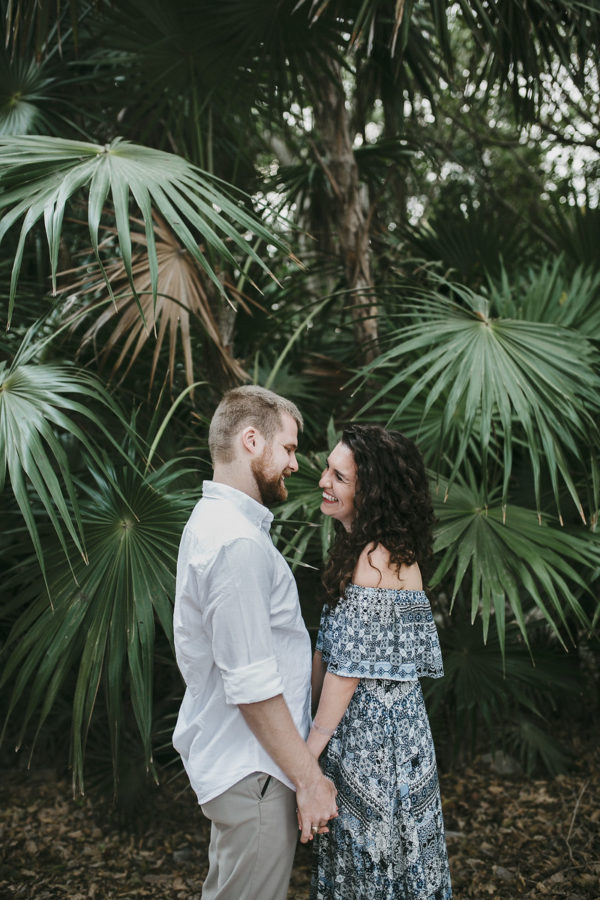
pixel 243 406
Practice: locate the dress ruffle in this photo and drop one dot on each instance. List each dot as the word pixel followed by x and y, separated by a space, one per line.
pixel 381 633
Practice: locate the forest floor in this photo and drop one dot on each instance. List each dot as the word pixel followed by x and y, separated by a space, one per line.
pixel 508 836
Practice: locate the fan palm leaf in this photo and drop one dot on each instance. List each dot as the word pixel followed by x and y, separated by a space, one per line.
pixel 494 373
pixel 183 301
pixel 224 62
pixel 520 37
pixel 41 174
pixel 24 95
pixel 470 241
pixel 101 628
pixel 41 19
pixel 428 433
pixel 508 559
pixel 548 294
pixel 400 29
pixel 39 403
pixel 576 230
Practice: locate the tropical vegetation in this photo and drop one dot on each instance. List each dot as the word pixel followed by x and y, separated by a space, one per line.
pixel 385 211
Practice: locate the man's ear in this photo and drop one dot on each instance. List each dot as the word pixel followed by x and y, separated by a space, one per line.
pixel 251 439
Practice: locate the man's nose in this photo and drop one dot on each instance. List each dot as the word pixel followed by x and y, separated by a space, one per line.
pixel 293 462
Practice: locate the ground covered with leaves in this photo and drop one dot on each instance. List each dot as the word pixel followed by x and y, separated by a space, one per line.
pixel 508 837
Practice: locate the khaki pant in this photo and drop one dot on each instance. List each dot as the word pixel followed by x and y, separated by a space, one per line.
pixel 252 840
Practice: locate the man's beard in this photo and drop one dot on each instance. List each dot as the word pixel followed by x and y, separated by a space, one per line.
pixel 271 487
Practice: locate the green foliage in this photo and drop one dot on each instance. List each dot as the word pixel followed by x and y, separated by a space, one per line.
pixel 98 623
pixel 575 230
pixel 500 375
pixel 41 174
pixel 457 114
pixel 39 403
pixel 23 97
pixel 300 527
pixel 549 294
pixel 471 242
pixel 500 694
pixel 511 560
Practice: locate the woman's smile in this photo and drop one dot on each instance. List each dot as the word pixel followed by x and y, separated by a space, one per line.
pixel 338 484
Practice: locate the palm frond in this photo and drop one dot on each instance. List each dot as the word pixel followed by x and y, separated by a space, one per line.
pixel 368 16
pixel 301 532
pixel 39 403
pixel 41 174
pixel 22 87
pixel 184 302
pixel 36 94
pixel 40 23
pixel 522 40
pixel 507 558
pixel 576 230
pixel 548 294
pixel 471 241
pixel 100 629
pixel 495 373
pixel 227 58
pixel 535 746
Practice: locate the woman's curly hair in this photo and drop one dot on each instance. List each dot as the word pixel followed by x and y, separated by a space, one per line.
pixel 392 503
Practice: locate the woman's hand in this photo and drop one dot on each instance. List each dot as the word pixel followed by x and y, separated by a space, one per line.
pixel 323 829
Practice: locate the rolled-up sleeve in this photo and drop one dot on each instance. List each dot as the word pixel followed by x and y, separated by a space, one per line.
pixel 238 619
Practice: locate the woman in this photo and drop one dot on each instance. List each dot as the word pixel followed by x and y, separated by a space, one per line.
pixel 371 728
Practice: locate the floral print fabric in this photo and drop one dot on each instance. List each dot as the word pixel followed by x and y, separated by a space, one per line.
pixel 388 841
pixel 381 633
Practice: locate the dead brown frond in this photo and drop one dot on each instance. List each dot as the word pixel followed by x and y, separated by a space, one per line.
pixel 186 299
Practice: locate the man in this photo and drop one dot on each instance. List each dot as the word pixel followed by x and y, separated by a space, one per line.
pixel 245 656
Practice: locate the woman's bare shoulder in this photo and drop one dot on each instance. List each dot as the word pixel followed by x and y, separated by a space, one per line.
pixel 374 569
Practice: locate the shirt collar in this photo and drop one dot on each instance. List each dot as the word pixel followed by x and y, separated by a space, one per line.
pixel 254 511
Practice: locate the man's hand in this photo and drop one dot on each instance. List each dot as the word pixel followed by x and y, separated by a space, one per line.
pixel 316 806
pixel 271 722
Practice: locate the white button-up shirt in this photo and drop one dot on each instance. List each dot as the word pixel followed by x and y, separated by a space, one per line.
pixel 239 638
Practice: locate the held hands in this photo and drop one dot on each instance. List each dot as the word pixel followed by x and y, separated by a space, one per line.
pixel 316 806
pixel 314 829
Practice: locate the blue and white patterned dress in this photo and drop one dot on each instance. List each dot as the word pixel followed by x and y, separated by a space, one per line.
pixel 388 841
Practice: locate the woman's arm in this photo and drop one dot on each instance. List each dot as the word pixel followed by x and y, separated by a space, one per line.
pixel 319 669
pixel 335 697
pixel 334 692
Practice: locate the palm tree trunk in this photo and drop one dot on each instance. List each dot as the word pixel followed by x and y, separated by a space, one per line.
pixel 349 222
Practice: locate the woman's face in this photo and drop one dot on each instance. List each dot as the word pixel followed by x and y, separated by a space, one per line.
pixel 338 483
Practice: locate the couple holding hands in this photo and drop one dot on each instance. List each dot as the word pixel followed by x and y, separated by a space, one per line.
pixel 360 779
